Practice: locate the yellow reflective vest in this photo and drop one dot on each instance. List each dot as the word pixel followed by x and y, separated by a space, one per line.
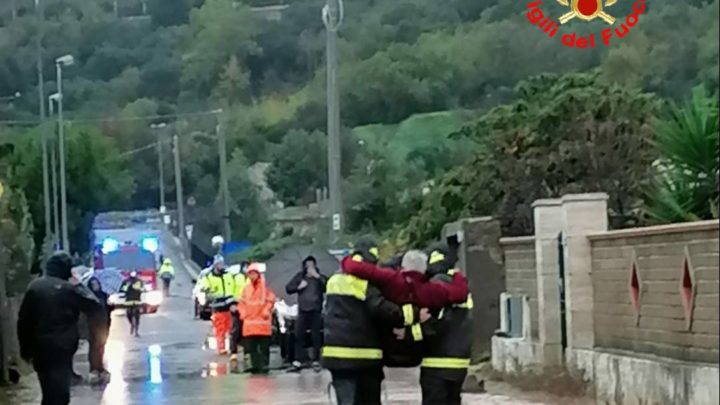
pixel 223 290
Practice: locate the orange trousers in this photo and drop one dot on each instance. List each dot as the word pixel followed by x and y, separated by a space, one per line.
pixel 222 322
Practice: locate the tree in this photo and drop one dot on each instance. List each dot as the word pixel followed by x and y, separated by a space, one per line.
pixel 234 83
pixel 299 166
pixel 686 187
pixel 16 239
pixel 96 180
pixel 219 30
pixel 563 134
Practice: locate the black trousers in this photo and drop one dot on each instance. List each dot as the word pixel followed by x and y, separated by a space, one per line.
pixel 308 320
pixel 439 390
pixel 235 333
pixel 358 387
pixel 133 315
pixel 55 376
pixel 258 347
pixel 166 286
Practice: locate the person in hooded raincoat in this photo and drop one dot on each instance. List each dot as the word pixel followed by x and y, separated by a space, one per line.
pixel 47 326
pixel 256 310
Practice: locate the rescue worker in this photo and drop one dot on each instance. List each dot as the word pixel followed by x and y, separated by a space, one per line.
pixel 237 324
pixel 222 291
pixel 256 310
pixel 309 285
pixel 167 274
pixel 448 340
pixel 133 287
pixel 47 326
pixel 355 316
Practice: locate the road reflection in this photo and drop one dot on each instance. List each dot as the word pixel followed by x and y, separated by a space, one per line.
pixel 116 390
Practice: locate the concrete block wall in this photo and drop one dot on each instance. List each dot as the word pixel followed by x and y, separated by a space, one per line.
pixel 520 273
pixel 663 326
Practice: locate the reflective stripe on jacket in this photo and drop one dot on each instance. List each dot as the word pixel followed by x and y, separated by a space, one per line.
pixel 222 289
pixel 356 314
pixel 448 339
pixel 256 309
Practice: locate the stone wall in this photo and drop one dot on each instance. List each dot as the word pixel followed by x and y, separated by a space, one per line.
pixel 520 273
pixel 656 291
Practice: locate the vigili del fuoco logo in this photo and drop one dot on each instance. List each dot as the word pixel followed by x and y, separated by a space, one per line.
pixel 585 10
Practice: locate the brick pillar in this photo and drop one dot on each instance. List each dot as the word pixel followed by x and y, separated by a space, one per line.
pixel 583 214
pixel 547 216
pixel 477 241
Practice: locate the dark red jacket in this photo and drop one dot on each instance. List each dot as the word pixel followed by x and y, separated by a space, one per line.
pixel 410 287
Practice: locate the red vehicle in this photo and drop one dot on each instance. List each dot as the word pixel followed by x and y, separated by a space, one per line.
pixel 121 251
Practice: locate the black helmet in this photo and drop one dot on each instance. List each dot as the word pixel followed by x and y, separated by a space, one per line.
pixel 59 265
pixel 440 259
pixel 367 248
pixel 394 263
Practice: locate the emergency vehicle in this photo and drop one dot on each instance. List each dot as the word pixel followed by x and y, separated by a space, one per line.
pixel 123 244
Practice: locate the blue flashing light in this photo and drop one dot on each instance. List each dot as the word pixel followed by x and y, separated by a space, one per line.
pixel 150 244
pixel 110 245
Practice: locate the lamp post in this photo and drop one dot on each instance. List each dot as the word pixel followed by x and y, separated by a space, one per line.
pixel 332 16
pixel 161 172
pixel 53 176
pixel 66 60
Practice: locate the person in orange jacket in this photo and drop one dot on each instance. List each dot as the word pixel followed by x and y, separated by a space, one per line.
pixel 256 309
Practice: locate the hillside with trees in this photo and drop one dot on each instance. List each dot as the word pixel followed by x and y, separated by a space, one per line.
pixel 457 107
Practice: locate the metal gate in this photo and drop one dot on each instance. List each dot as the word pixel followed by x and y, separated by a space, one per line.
pixel 561 287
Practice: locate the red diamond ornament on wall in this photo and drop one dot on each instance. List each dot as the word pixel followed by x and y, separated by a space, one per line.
pixel 687 288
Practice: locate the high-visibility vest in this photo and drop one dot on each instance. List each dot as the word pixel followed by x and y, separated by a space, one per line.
pixel 223 290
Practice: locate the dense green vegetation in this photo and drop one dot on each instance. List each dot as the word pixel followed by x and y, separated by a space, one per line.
pixel 412 73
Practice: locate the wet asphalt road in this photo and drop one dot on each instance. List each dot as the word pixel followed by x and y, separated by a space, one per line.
pixel 188 374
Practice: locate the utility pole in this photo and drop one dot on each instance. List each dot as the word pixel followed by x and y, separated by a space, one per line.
pixel 332 18
pixel 161 171
pixel 40 19
pixel 222 151
pixel 54 180
pixel 179 193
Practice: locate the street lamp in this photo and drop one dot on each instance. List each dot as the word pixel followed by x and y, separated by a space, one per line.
pixel 53 174
pixel 65 60
pixel 161 173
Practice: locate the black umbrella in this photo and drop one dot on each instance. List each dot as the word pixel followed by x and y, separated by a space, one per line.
pixel 283 266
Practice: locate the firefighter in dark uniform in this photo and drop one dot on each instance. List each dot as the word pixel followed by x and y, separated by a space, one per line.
pixel 448 340
pixel 355 316
pixel 133 288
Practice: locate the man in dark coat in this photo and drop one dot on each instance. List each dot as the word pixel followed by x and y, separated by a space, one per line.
pixel 309 285
pixel 48 326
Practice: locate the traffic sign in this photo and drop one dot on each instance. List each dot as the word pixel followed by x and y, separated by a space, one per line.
pixel 336 222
